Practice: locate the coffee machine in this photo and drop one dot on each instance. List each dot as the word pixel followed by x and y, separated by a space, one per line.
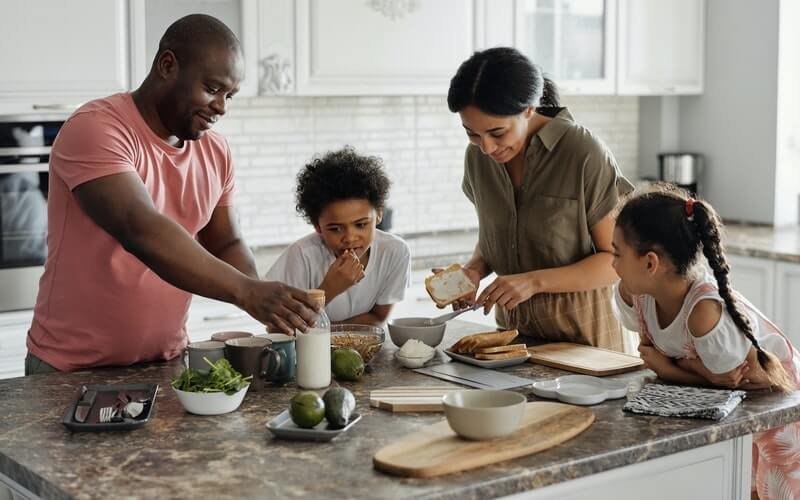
pixel 682 169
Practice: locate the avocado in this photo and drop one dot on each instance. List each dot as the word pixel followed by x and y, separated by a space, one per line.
pixel 346 364
pixel 307 409
pixel 339 405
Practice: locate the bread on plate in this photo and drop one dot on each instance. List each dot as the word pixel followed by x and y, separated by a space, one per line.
pixel 471 343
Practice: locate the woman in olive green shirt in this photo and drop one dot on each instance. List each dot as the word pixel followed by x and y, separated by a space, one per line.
pixel 544 188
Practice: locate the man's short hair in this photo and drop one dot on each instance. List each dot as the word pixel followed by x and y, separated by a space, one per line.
pixel 191 36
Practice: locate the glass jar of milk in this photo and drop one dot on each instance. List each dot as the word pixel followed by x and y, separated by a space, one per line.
pixel 314 349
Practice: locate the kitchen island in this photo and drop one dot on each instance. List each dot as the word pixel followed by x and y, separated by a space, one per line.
pixel 182 455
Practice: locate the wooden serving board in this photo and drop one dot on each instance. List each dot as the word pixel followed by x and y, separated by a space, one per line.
pixel 410 398
pixel 436 450
pixel 584 359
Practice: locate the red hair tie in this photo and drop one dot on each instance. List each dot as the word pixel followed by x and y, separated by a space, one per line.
pixel 689 208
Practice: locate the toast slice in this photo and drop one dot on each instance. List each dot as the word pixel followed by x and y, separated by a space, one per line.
pixel 471 343
pixel 501 348
pixel 449 285
pixel 503 355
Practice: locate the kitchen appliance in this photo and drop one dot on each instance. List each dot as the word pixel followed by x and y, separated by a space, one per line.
pixel 25 142
pixel 682 169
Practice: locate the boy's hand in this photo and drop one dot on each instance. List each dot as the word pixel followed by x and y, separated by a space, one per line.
pixel 345 272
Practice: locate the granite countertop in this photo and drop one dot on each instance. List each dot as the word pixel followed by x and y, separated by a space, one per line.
pixel 767 242
pixel 446 247
pixel 180 455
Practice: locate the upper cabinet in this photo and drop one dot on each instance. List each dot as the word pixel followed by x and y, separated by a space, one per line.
pixel 661 47
pixel 572 40
pixel 151 18
pixel 357 47
pixel 58 54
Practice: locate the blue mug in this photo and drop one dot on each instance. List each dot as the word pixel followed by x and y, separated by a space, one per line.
pixel 286 369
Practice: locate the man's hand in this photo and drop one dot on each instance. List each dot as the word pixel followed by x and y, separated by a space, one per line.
pixel 345 272
pixel 279 306
pixel 508 291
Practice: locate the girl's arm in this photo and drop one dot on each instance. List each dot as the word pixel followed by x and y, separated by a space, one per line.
pixel 666 369
pixel 376 316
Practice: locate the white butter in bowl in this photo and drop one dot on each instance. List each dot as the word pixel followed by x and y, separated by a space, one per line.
pixel 415 353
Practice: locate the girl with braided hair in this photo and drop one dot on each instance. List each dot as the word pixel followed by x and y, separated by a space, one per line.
pixel 694 328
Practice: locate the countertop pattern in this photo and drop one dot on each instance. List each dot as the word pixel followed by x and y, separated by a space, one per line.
pixel 767 242
pixel 180 455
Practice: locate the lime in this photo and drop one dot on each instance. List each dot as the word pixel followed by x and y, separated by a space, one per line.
pixel 346 364
pixel 307 409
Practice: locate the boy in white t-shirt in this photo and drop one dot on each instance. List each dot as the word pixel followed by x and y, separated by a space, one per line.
pixel 363 270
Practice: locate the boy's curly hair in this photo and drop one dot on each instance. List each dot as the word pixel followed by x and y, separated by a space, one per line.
pixel 340 175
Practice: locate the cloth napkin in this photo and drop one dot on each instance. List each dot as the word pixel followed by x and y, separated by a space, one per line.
pixel 681 401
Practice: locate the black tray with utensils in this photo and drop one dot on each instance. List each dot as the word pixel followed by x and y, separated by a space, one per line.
pixel 109 401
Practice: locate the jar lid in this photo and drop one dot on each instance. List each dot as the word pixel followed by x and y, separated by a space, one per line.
pixel 317 294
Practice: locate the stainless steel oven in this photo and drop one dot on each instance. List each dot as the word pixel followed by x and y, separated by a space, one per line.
pixel 25 142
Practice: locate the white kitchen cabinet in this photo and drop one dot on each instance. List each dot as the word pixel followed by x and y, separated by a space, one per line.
pixel 356 47
pixel 661 47
pixel 754 278
pixel 58 54
pixel 151 18
pixel 572 40
pixel 14 328
pixel 787 298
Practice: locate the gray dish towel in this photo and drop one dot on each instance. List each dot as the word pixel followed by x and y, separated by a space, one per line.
pixel 680 401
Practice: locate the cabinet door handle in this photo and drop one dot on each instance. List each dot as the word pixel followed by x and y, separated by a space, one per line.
pixel 220 317
pixel 55 107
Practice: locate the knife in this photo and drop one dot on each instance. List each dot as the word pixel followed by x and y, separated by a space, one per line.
pixel 84 406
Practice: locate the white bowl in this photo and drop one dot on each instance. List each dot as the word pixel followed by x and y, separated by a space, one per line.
pixel 414 361
pixel 210 403
pixel 401 330
pixel 484 414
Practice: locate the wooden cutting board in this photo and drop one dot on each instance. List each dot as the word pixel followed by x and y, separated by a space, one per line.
pixel 410 398
pixel 584 359
pixel 436 450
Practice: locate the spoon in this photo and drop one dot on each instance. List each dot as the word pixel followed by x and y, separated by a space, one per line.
pixel 438 320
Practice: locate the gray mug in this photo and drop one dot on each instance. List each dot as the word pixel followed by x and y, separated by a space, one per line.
pixel 254 357
pixel 196 351
pixel 287 368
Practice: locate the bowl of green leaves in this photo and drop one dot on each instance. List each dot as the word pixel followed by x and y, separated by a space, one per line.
pixel 219 390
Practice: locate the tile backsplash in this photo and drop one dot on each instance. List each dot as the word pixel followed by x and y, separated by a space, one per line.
pixel 421 142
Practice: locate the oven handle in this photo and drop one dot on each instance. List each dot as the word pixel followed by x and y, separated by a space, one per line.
pixel 25 150
pixel 55 107
pixel 23 167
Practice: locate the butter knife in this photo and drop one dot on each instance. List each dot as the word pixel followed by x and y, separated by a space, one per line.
pixel 84 406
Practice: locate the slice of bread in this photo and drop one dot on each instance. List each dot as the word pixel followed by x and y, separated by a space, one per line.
pixel 471 343
pixel 449 285
pixel 502 348
pixel 502 355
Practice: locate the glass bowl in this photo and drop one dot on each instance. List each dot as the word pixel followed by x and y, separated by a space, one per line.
pixel 365 339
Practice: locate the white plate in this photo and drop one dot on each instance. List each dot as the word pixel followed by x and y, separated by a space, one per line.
pixel 580 389
pixel 488 363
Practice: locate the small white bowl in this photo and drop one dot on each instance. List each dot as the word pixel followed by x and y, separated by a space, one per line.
pixel 210 403
pixel 414 361
pixel 484 414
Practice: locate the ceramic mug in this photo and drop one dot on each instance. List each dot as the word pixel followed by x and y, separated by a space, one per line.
pixel 225 336
pixel 196 351
pixel 254 356
pixel 288 366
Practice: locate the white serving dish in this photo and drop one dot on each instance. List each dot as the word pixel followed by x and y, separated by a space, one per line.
pixel 414 361
pixel 580 389
pixel 210 403
pixel 480 414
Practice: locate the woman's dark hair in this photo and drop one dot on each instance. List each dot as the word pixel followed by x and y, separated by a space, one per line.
pixel 667 221
pixel 340 175
pixel 500 81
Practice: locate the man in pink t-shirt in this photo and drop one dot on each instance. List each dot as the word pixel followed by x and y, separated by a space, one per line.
pixel 140 216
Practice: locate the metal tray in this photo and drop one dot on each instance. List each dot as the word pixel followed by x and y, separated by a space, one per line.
pixel 283 427
pixel 106 395
pixel 488 363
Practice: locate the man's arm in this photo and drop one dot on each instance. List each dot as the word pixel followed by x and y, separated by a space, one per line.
pixel 121 206
pixel 222 238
